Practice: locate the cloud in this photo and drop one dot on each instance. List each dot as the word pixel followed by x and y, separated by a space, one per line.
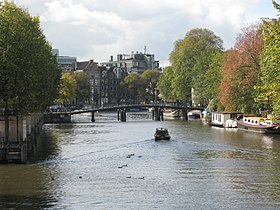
pixel 100 28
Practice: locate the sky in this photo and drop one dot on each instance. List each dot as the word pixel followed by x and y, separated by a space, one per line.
pixel 98 29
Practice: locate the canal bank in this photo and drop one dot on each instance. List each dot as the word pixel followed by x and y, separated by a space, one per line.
pixel 22 141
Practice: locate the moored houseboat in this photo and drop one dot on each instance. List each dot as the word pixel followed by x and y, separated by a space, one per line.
pixel 225 119
pixel 259 125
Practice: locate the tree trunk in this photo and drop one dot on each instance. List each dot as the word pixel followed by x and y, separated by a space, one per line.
pixel 6 116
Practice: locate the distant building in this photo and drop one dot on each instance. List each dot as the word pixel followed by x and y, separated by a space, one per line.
pixel 110 91
pixel 104 82
pixel 65 62
pixel 105 79
pixel 133 63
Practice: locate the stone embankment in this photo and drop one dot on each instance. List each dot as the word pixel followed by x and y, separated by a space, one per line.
pixel 22 141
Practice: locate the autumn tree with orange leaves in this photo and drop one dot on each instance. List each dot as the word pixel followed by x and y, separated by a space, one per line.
pixel 241 71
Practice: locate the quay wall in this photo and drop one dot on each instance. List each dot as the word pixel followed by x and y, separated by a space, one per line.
pixel 23 131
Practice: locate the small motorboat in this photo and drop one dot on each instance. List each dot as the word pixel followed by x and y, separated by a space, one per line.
pixel 161 134
pixel 194 114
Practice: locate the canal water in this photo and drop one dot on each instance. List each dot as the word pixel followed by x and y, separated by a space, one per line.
pixel 118 165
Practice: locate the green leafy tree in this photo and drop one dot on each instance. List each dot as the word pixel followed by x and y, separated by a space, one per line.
pixel 206 85
pixel 164 84
pixel 149 79
pixel 190 59
pixel 135 86
pixel 29 73
pixel 67 89
pixel 181 80
pixel 83 88
pixel 270 67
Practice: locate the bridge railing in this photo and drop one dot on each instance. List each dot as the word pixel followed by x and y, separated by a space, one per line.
pixel 123 106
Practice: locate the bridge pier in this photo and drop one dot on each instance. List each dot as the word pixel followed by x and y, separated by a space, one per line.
pixel 122 115
pixel 92 116
pixel 185 114
pixel 57 117
pixel 160 114
pixel 157 114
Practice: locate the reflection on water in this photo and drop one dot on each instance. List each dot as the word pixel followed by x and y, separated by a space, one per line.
pixel 26 186
pixel 118 165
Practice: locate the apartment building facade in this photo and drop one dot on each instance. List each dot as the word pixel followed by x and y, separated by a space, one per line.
pixel 105 82
pixel 133 63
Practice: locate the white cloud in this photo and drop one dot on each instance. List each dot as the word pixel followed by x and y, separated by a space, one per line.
pixel 100 28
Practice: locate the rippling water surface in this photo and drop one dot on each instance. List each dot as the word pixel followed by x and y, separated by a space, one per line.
pixel 118 165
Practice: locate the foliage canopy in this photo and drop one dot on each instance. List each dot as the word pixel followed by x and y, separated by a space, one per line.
pixel 270 66
pixel 29 73
pixel 67 89
pixel 190 59
pixel 241 72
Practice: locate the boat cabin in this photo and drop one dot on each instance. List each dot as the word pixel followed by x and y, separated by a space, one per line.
pixel 220 119
pixel 257 121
